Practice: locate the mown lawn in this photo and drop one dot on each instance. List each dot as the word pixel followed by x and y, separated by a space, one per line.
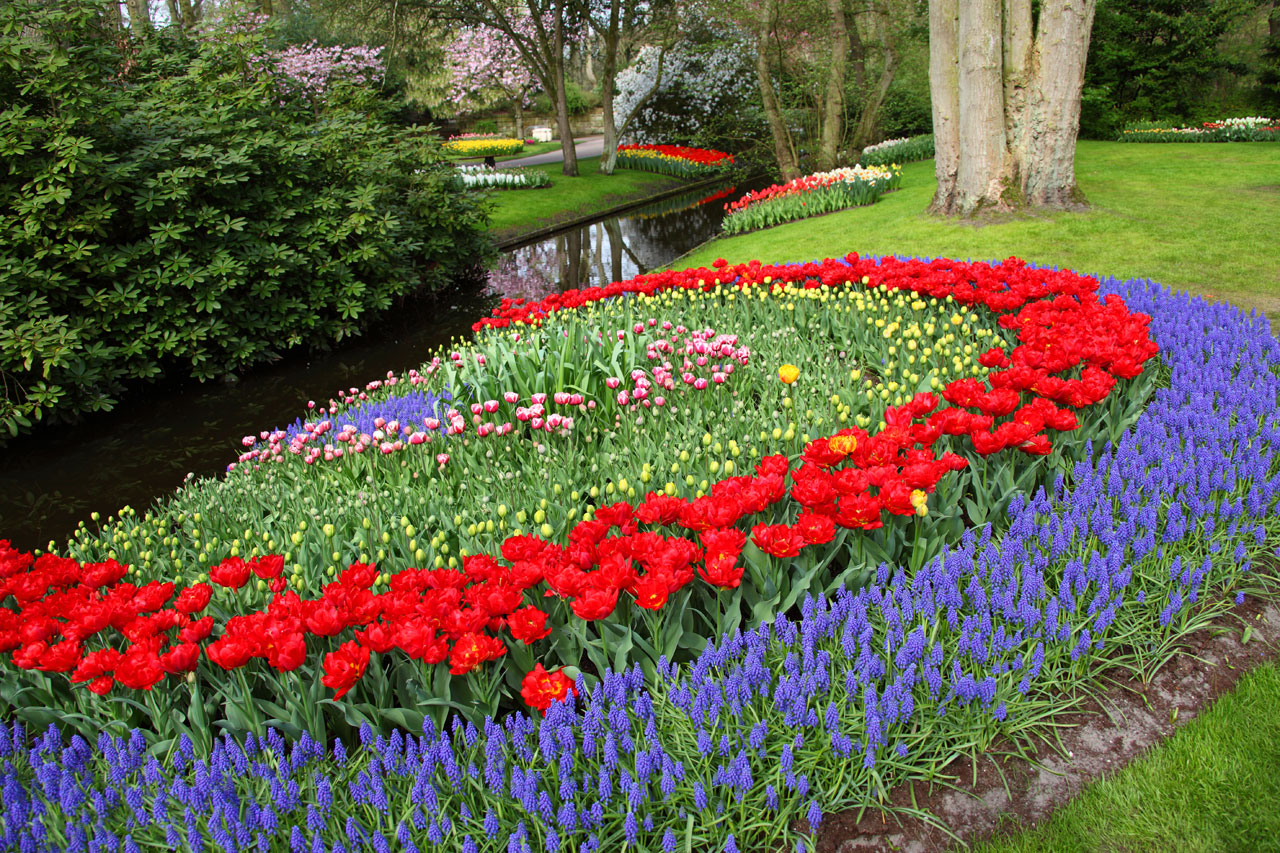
pixel 1213 786
pixel 570 198
pixel 1197 217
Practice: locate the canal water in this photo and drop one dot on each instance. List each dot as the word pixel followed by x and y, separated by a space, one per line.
pixel 147 446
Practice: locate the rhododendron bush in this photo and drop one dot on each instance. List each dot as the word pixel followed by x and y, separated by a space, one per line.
pixel 1166 518
pixel 605 478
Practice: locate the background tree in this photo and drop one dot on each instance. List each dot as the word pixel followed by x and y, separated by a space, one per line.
pixel 551 26
pixel 1155 59
pixel 1006 102
pixel 486 68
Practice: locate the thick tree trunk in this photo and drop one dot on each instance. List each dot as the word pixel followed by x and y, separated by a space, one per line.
pixel 782 150
pixel 139 17
pixel 944 86
pixel 519 110
pixel 1006 102
pixel 833 97
pixel 609 156
pixel 570 167
pixel 1048 150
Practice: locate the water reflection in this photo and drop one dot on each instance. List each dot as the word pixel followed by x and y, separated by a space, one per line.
pixel 614 249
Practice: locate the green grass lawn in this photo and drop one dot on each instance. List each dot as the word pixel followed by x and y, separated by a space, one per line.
pixel 1213 786
pixel 1197 217
pixel 570 198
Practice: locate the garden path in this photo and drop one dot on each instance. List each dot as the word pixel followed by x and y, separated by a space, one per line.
pixel 586 146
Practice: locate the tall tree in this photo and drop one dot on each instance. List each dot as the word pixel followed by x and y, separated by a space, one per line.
pixel 1006 102
pixel 616 21
pixel 552 25
pixel 487 68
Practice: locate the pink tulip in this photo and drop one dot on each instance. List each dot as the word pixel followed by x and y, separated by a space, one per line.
pixel 491 406
pixel 700 384
pixel 511 396
pixel 442 458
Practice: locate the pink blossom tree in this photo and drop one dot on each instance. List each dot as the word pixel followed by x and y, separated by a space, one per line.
pixel 487 67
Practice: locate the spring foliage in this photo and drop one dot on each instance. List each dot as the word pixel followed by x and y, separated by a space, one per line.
pixel 181 207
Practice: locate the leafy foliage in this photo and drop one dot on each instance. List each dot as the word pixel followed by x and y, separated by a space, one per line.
pixel 175 207
pixel 1151 60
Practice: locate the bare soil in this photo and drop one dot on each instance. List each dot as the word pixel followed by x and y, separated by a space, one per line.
pixel 1006 793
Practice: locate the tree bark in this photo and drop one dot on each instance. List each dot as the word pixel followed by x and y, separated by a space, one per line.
pixel 866 127
pixel 519 110
pixel 782 150
pixel 139 17
pixel 609 156
pixel 1006 102
pixel 570 168
pixel 833 98
pixel 944 86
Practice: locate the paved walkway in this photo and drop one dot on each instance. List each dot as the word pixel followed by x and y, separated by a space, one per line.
pixel 587 146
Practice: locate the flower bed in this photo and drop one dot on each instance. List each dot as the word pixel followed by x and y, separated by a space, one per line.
pixel 483 147
pixel 485 177
pixel 973 637
pixel 811 195
pixel 674 160
pixel 894 151
pixel 1248 129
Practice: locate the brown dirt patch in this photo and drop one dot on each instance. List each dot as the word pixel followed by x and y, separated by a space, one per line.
pixel 1101 737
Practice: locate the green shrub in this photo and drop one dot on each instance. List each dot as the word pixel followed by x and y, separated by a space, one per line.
pixel 170 208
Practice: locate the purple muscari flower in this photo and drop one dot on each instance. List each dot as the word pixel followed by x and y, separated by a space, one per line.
pixel 730 846
pixel 631 829
pixel 669 842
pixel 814 815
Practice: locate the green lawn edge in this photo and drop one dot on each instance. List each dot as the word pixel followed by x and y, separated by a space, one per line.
pixel 572 198
pixel 1212 786
pixel 1197 217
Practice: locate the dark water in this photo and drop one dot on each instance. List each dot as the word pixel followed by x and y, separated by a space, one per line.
pixel 144 449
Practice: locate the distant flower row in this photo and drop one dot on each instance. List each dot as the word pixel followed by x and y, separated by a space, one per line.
pixel 810 195
pixel 674 160
pixel 486 177
pixel 903 150
pixel 484 147
pixel 1247 129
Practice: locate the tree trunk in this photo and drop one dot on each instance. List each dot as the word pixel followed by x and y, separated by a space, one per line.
pixel 944 87
pixel 139 17
pixel 570 167
pixel 1006 102
pixel 782 151
pixel 519 109
pixel 609 156
pixel 833 98
pixel 866 128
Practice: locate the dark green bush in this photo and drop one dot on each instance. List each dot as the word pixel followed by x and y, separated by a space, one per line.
pixel 171 207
